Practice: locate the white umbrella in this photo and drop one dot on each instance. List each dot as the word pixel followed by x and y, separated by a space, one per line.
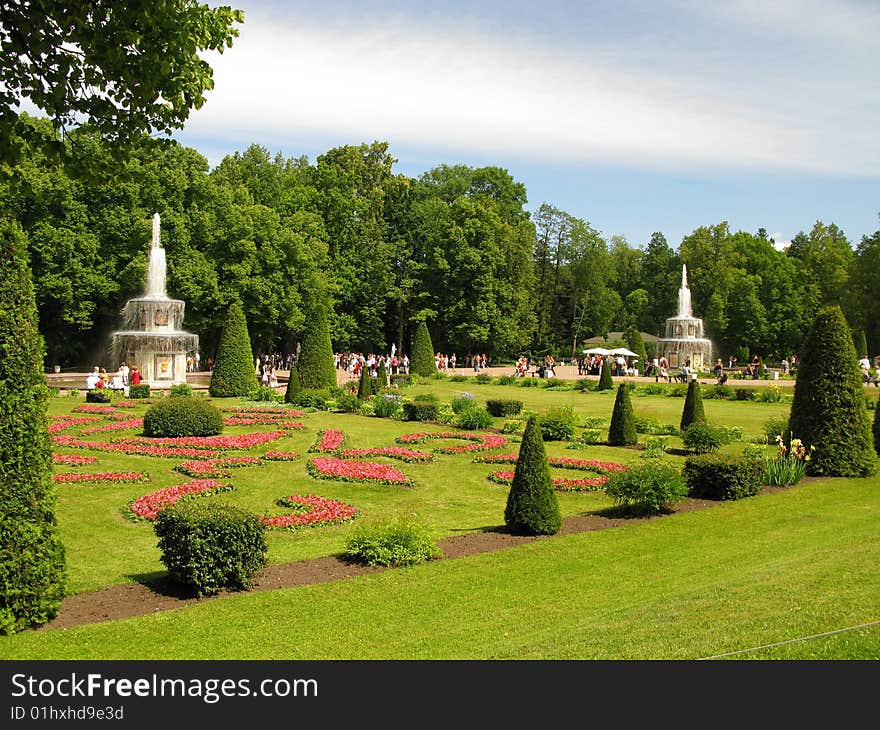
pixel 597 351
pixel 622 351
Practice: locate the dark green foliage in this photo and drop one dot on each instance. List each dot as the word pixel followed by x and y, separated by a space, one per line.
pixel 387 405
pixel 98 395
pixel 401 380
pixel 365 387
pixel 180 389
pixel 315 362
pixel 209 546
pixel 701 438
pixel 294 386
pixel 312 398
pixel 720 392
pixel 532 507
pixel 402 541
pixel 693 406
pixel 622 431
pixel 499 407
pixel 462 402
pixel 877 429
pixel 423 408
pixel 382 375
pixel 475 418
pixel 266 394
pixel 606 382
pixel 422 361
pixel 634 342
pixel 722 476
pixel 234 373
pixel 651 486
pixel 557 424
pixel 183 416
pixel 141 390
pixel 861 343
pixel 32 580
pixel 828 410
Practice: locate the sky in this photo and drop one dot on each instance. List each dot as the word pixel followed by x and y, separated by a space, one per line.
pixel 661 115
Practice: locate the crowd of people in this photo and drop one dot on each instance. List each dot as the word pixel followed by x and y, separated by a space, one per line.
pixel 99 379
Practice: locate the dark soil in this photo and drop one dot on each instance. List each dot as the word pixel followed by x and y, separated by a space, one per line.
pixel 153 594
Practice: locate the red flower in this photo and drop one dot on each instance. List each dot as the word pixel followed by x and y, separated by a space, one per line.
pixel 312 511
pixel 148 506
pixel 323 467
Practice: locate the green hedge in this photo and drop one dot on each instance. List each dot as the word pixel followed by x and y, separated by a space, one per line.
pixel 622 431
pixel 99 395
pixel 183 416
pixel 209 546
pixel 501 407
pixel 722 476
pixel 420 410
pixel 141 390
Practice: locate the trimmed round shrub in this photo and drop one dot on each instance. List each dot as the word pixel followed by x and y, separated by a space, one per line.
pixel 475 418
pixel 622 431
pixel 402 541
pixel 32 572
pixel 233 374
pixel 606 382
pixel 651 486
pixel 209 546
pixel 501 408
pixel 828 410
pixel 141 390
pixel 722 476
pixel 422 361
pixel 692 412
pixel 311 398
pixel 183 416
pixel 532 507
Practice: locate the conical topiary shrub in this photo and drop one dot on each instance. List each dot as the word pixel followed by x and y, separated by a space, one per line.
pixel 293 386
pixel 532 507
pixel 365 388
pixel 32 582
pixel 693 406
pixel 622 431
pixel 605 380
pixel 382 374
pixel 422 361
pixel 315 363
pixel 828 411
pixel 234 374
pixel 877 427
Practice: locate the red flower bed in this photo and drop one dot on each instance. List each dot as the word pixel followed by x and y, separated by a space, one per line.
pixel 148 506
pixel 561 462
pixel 328 440
pixel 105 476
pixel 280 456
pixel 312 511
pixel 60 425
pixel 141 449
pixel 91 408
pixel 563 485
pixel 245 441
pixel 266 410
pixel 392 452
pixel 260 421
pixel 118 426
pixel 327 467
pixel 483 441
pixel 214 467
pixel 73 459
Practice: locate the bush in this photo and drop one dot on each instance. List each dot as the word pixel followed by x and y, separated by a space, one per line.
pixel 605 380
pixel 651 486
pixel 693 406
pixel 402 541
pixel 532 507
pixel 743 394
pixel 721 476
pixel 828 410
pixel 401 380
pixel 506 380
pixel 141 390
pixel 720 392
pixel 233 373
pixel 209 546
pixel 266 394
pixel 876 429
pixel 312 398
pixel 180 389
pixel 503 408
pixel 557 424
pixel 387 405
pixel 423 352
pixel 483 378
pixel 461 402
pixel 347 403
pixel 702 438
pixel 654 448
pixel 770 394
pixel 365 385
pixel 475 418
pixel 654 389
pixel 183 416
pixel 424 408
pixel 646 424
pixel 315 362
pixel 774 427
pixel 584 384
pixel 622 431
pixel 294 386
pixel 512 427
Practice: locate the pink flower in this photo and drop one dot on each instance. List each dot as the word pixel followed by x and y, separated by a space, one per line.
pixel 91 408
pixel 322 467
pixel 60 425
pixel 245 441
pixel 328 440
pixel 73 459
pixel 312 511
pixel 135 448
pixel 484 441
pixel 118 426
pixel 392 452
pixel 106 476
pixel 280 456
pixel 148 506
pixel 214 467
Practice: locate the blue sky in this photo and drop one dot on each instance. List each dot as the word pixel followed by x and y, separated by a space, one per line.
pixel 635 116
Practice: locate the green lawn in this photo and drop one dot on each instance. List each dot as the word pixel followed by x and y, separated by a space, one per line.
pixel 746 574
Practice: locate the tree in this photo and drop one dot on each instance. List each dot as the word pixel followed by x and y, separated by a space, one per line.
pixel 126 68
pixel 32 581
pixel 422 361
pixel 828 411
pixel 294 387
pixel 622 431
pixel 861 343
pixel 532 507
pixel 634 342
pixel 234 373
pixel 382 374
pixel 315 363
pixel 606 382
pixel 693 406
pixel 365 388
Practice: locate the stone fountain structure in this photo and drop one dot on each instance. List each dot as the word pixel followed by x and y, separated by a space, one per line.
pixel 685 337
pixel 152 337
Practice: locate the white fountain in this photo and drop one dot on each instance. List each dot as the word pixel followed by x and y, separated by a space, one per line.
pixel 685 338
pixel 153 339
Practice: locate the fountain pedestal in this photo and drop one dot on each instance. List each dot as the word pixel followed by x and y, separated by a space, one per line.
pixel 685 338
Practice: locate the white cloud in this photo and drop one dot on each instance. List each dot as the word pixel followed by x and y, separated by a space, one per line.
pixel 780 243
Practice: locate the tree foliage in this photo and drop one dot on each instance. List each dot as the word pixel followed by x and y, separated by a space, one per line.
pixel 234 373
pixel 32 580
pixel 532 507
pixel 422 361
pixel 315 365
pixel 622 431
pixel 693 411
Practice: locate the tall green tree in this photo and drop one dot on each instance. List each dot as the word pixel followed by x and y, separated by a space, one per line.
pixel 532 507
pixel 315 365
pixel 32 580
pixel 865 283
pixel 622 431
pixel 828 410
pixel 234 372
pixel 422 361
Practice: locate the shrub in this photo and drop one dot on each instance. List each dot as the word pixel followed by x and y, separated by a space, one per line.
pixel 294 386
pixel 315 362
pixel 532 507
pixel 365 386
pixel 701 438
pixel 183 416
pixel 266 394
pixel 502 408
pixel 312 398
pixel 654 389
pixel 557 424
pixel 693 406
pixel 654 448
pixel 828 410
pixel 593 422
pixel 233 373
pixel 877 429
pixel 506 380
pixel 651 486
pixel 584 384
pixel 721 476
pixel 512 427
pixel 381 375
pixel 424 408
pixel 590 436
pixel 348 403
pixel 462 401
pixel 720 392
pixel 209 546
pixel 423 352
pixel 622 431
pixel 743 393
pixel 774 427
pixel 475 418
pixel 770 394
pixel 141 390
pixel 32 579
pixel 645 424
pixel 605 380
pixel 401 380
pixel 99 395
pixel 180 389
pixel 387 405
pixel 483 378
pixel 402 541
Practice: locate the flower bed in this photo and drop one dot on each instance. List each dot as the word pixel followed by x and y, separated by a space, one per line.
pixel 266 410
pixel 118 426
pixel 392 452
pixel 86 408
pixel 139 449
pixel 482 441
pixel 327 467
pixel 260 421
pixel 73 459
pixel 328 440
pixel 245 441
pixel 280 456
pixel 592 484
pixel 215 468
pixel 60 425
pixel 104 476
pixel 311 511
pixel 148 506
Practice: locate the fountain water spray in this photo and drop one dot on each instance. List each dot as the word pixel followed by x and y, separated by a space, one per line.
pixel 685 338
